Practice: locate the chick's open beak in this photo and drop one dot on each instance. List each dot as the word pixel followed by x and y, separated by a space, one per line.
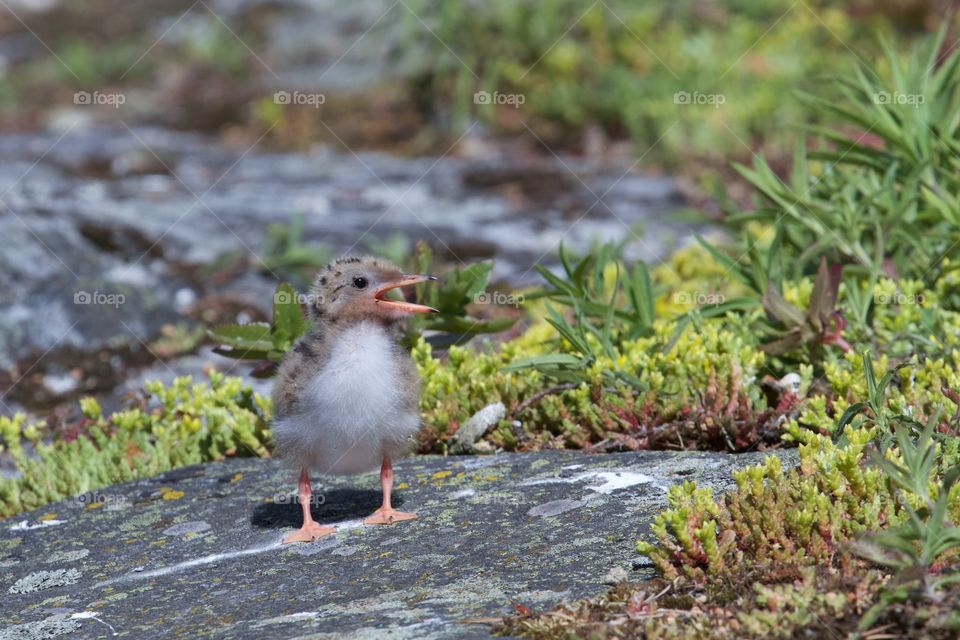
pixel 408 307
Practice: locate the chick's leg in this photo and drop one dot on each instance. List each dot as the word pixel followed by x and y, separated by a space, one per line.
pixel 310 530
pixel 386 513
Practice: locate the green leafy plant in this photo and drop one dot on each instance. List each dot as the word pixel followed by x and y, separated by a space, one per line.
pixel 585 286
pixel 573 365
pixel 457 290
pixel 873 411
pixel 604 313
pixel 821 325
pixel 910 550
pixel 764 265
pixel 262 341
pixel 880 191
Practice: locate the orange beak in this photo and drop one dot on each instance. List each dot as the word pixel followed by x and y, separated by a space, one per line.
pixel 407 307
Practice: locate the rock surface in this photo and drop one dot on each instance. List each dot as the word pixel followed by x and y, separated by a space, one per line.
pixel 196 551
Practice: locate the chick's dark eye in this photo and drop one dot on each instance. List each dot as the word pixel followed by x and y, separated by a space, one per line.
pixel 360 282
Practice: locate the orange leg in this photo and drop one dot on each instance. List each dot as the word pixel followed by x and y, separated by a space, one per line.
pixel 386 514
pixel 310 530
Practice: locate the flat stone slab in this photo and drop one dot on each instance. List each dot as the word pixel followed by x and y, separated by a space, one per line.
pixel 196 552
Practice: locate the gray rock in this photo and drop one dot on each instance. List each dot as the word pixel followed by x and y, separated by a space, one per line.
pixel 492 530
pixel 616 575
pixel 478 424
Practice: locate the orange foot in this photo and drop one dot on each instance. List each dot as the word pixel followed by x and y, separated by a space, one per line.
pixel 309 532
pixel 388 516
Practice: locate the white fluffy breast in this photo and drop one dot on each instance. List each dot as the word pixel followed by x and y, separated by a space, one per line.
pixel 353 411
pixel 358 385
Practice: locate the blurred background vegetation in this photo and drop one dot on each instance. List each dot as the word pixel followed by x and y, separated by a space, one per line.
pixel 589 73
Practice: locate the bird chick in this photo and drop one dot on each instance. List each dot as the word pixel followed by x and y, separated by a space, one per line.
pixel 347 394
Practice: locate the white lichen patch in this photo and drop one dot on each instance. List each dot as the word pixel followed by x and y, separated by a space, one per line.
pixel 301 616
pixel 51 627
pixel 387 605
pixel 27 525
pixel 93 615
pixel 40 580
pixel 67 556
pixel 605 482
pixel 615 480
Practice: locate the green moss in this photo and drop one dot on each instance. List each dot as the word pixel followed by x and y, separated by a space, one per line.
pixel 174 426
pixel 710 371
